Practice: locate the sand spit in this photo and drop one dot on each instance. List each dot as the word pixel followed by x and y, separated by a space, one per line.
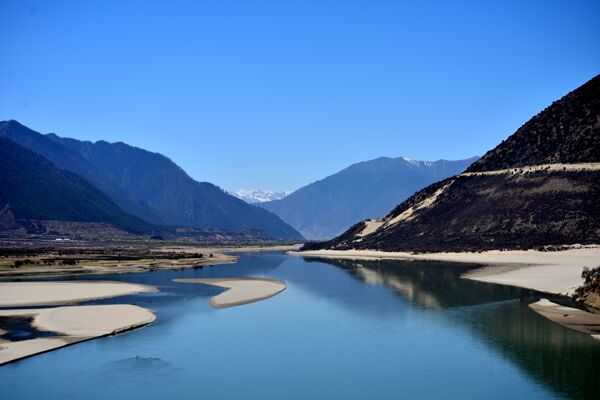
pixel 557 272
pixel 569 317
pixel 74 324
pixel 25 294
pixel 241 290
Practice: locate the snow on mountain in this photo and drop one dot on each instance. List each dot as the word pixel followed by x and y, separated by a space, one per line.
pixel 259 196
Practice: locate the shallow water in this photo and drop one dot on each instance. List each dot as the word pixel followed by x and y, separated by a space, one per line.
pixel 341 329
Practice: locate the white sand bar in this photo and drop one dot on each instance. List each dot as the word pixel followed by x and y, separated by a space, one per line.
pixel 569 317
pixel 241 290
pixel 557 272
pixel 24 294
pixel 76 324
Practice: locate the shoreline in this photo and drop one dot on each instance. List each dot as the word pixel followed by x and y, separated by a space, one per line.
pixel 69 323
pixel 106 260
pixel 569 317
pixel 74 324
pixel 109 267
pixel 554 272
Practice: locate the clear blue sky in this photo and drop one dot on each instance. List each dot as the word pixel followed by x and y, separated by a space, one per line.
pixel 276 94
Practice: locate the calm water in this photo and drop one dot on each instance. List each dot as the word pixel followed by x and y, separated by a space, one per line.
pixel 341 329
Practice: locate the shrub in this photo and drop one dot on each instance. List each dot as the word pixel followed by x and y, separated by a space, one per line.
pixel 591 281
pixel 590 276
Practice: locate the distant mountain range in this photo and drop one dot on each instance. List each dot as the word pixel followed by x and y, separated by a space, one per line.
pixel 541 186
pixel 369 189
pixel 259 196
pixel 149 185
pixel 32 188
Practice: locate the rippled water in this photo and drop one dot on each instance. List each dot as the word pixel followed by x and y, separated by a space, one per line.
pixel 341 329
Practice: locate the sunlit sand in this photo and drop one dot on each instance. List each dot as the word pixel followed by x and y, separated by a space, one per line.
pixel 241 290
pixel 569 317
pixel 25 294
pixel 74 324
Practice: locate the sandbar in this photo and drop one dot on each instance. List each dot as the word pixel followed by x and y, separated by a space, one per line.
pixel 241 290
pixel 569 317
pixel 75 324
pixel 26 294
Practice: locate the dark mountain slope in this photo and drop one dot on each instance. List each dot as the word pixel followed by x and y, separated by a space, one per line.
pixel 568 131
pixel 35 189
pixel 72 161
pixel 531 190
pixel 149 185
pixel 368 189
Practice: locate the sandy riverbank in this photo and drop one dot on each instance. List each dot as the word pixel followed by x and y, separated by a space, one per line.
pixel 557 272
pixel 572 318
pixel 241 290
pixel 56 259
pixel 25 294
pixel 102 267
pixel 74 324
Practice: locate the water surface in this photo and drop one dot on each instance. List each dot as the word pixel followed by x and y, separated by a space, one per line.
pixel 341 329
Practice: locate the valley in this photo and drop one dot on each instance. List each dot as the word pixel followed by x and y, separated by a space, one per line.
pixel 300 200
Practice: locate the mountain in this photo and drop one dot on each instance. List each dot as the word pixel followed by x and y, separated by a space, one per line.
pixel 32 188
pixel 367 189
pixel 259 196
pixel 541 186
pixel 149 185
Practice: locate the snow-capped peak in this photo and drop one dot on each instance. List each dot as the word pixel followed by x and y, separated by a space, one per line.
pixel 417 163
pixel 259 196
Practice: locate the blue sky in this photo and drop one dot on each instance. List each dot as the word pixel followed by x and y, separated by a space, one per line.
pixel 274 95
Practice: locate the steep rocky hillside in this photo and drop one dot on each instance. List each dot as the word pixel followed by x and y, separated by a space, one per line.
pixel 539 187
pixel 568 131
pixel 369 189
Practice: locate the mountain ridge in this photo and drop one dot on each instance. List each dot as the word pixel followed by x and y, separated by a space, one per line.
pixel 34 189
pixel 518 195
pixel 149 185
pixel 367 189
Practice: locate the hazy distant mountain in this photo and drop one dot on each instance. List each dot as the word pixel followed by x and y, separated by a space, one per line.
pixel 541 186
pixel 368 189
pixel 259 196
pixel 32 188
pixel 149 185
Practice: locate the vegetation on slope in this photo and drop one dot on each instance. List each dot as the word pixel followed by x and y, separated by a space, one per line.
pixel 568 131
pixel 36 189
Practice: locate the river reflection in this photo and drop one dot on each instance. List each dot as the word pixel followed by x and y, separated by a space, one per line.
pixel 565 360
